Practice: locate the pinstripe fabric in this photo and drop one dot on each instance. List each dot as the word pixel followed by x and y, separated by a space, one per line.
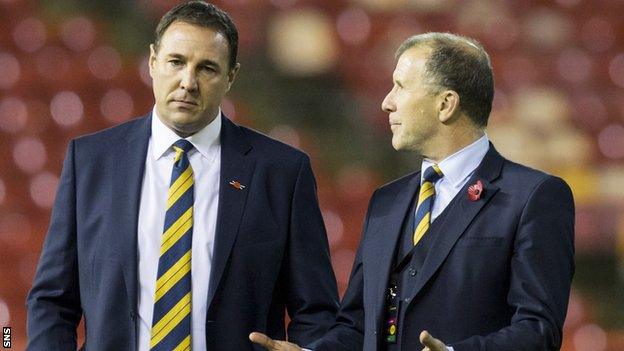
pixel 171 323
pixel 426 197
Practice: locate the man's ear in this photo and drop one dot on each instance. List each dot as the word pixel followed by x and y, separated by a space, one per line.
pixel 152 59
pixel 448 105
pixel 232 75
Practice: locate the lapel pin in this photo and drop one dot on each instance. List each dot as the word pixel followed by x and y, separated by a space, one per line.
pixel 236 184
pixel 475 191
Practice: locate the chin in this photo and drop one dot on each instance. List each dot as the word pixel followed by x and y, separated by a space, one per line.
pixel 183 116
pixel 397 145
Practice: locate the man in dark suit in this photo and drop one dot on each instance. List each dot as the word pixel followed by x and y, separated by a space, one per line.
pixel 243 239
pixel 474 249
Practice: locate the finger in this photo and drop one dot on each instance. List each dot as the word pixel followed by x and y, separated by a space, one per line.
pixel 262 340
pixel 287 346
pixel 429 341
pixel 425 338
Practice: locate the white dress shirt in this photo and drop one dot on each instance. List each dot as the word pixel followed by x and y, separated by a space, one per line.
pixel 205 159
pixel 457 169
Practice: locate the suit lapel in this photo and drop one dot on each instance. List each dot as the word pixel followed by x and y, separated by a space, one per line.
pixel 387 231
pixel 236 165
pixel 462 212
pixel 127 198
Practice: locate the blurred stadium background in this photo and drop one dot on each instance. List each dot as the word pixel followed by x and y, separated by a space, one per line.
pixel 313 75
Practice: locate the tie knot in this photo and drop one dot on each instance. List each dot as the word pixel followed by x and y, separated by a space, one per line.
pixel 182 145
pixel 433 174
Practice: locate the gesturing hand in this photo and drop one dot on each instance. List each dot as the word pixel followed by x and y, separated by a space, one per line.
pixel 272 345
pixel 431 343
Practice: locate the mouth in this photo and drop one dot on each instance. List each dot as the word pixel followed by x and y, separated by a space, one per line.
pixel 394 123
pixel 185 103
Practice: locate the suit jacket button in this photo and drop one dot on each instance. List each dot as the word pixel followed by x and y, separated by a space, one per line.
pixel 132 316
pixel 412 272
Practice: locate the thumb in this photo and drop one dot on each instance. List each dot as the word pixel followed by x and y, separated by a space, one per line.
pixel 262 340
pixel 429 341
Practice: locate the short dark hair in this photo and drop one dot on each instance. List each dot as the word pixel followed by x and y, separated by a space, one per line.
pixel 462 65
pixel 202 14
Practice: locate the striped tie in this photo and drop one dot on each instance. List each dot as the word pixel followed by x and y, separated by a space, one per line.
pixel 171 324
pixel 425 202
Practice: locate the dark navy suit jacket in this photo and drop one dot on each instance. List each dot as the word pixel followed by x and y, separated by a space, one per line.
pixel 271 251
pixel 497 278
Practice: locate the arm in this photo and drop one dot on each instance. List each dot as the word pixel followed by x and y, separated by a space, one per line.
pixel 542 266
pixel 346 334
pixel 312 298
pixel 54 302
pixel 348 331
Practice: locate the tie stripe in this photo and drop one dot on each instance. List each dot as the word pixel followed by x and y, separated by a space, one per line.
pixel 173 275
pixel 176 231
pixel 184 345
pixel 426 196
pixel 170 320
pixel 426 191
pixel 171 323
pixel 188 172
pixel 180 187
pixel 421 228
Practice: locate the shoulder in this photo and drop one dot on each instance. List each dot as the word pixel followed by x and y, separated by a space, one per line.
pixel 526 184
pixel 124 131
pixel 267 149
pixel 106 146
pixel 390 190
pixel 515 175
pixel 398 184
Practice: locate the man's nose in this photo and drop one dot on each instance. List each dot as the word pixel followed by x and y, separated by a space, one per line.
pixel 189 80
pixel 387 105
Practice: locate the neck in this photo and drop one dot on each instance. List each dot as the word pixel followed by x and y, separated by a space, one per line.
pixel 455 140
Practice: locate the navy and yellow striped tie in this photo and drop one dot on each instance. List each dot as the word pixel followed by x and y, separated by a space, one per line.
pixel 425 202
pixel 171 324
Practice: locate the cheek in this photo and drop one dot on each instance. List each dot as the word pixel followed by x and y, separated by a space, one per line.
pixel 412 125
pixel 159 89
pixel 214 88
pixel 165 84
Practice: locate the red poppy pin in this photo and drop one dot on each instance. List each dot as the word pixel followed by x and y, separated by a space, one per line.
pixel 236 184
pixel 475 191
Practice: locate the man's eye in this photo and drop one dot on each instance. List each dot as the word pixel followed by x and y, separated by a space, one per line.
pixel 175 62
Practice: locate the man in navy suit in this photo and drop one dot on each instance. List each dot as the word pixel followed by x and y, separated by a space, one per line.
pixel 473 252
pixel 259 246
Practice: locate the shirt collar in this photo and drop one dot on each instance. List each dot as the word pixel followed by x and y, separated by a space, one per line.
pixel 206 141
pixel 460 165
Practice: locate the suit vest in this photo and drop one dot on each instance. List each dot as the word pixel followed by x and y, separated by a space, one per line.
pixel 407 263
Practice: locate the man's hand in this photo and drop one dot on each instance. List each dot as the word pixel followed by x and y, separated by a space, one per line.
pixel 272 345
pixel 430 343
